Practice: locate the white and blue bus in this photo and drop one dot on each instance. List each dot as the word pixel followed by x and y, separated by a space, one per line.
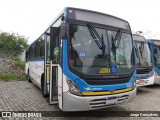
pixel 144 63
pixel 155 51
pixel 85 60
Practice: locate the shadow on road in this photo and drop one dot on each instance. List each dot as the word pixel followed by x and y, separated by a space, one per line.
pixel 95 113
pixel 155 86
pixel 143 91
pixel 147 89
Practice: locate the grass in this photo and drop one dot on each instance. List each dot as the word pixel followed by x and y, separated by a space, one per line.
pixel 9 77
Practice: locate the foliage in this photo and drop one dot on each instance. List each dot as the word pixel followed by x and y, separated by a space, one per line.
pixel 12 44
pixel 9 76
pixel 19 63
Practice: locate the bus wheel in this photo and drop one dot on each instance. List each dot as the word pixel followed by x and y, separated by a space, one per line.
pixel 29 80
pixel 42 87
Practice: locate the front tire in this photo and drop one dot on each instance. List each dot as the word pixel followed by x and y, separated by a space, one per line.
pixel 29 79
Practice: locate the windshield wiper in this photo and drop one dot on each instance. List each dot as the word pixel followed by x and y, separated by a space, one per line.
pixel 116 42
pixel 141 49
pixel 137 54
pixel 136 50
pixel 98 40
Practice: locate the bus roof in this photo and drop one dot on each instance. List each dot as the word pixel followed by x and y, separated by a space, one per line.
pixel 138 38
pixel 96 17
pixel 88 16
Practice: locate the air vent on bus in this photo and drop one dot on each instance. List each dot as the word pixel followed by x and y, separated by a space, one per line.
pixel 108 81
pixel 101 103
pixel 144 70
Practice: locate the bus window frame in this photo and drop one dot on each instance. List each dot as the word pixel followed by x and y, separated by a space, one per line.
pixel 85 76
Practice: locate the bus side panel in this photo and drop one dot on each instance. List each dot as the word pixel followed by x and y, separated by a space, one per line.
pixel 60 79
pixel 39 69
pixel 36 69
pixel 157 75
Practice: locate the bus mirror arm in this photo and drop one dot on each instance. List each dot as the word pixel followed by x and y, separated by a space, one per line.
pixel 63 31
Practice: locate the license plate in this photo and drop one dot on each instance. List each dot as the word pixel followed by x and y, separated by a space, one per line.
pixel 141 82
pixel 111 100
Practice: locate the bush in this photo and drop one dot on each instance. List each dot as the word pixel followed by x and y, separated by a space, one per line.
pixel 16 58
pixel 19 63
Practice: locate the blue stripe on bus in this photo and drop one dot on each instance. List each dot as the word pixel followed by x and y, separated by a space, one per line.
pixel 37 60
pixel 82 84
pixel 152 54
pixel 66 71
pixel 145 75
pixel 157 69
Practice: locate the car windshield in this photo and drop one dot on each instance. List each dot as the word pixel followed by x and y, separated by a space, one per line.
pixel 143 56
pixel 156 48
pixel 100 51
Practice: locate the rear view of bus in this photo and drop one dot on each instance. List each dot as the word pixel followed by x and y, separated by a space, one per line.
pixel 145 71
pixel 155 51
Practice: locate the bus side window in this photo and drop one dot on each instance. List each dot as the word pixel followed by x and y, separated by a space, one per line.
pixel 32 51
pixel 42 49
pixel 48 49
pixel 56 49
pixel 38 49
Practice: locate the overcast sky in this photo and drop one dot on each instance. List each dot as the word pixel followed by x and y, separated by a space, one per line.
pixel 31 17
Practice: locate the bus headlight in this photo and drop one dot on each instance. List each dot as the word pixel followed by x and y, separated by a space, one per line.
pixel 134 84
pixel 73 88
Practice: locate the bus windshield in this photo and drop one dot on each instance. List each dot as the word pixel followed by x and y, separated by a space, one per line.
pixel 156 48
pixel 143 57
pixel 94 50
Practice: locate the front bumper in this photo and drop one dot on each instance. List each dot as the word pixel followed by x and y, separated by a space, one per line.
pixel 149 81
pixel 157 78
pixel 77 103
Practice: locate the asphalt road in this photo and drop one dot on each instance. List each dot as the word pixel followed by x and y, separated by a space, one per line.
pixel 25 96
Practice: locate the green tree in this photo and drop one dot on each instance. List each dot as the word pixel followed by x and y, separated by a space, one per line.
pixel 12 44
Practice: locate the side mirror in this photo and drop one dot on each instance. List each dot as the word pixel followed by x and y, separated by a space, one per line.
pixel 63 31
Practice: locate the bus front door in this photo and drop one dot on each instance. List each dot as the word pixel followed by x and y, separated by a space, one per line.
pixel 52 71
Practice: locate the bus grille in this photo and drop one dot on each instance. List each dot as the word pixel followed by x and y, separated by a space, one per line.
pixel 108 81
pixel 144 70
pixel 102 103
